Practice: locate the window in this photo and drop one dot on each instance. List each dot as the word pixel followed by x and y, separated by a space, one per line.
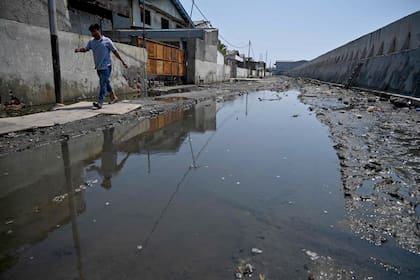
pixel 165 23
pixel 147 14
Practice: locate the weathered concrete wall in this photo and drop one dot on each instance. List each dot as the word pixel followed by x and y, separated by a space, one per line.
pixel 390 59
pixel 241 72
pixel 26 70
pixel 80 21
pixel 205 57
pixel 222 70
pixel 35 12
pixel 284 66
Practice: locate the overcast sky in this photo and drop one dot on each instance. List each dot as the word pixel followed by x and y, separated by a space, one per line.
pixel 298 29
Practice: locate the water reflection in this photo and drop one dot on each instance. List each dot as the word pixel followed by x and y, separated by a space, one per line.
pixel 31 179
pixel 109 159
pixel 71 204
pixel 193 198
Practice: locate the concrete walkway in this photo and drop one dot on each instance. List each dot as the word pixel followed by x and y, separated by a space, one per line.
pixel 70 113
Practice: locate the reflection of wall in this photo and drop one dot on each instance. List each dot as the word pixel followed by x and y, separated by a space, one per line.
pixel 35 177
pixel 205 116
pixel 26 168
pixel 31 209
pixel 167 132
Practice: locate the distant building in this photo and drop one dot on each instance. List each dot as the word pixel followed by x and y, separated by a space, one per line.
pixel 284 66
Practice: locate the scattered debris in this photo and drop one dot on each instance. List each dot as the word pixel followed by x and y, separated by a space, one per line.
pixel 244 271
pixel 90 183
pixel 371 109
pixel 59 198
pixel 314 256
pixel 256 251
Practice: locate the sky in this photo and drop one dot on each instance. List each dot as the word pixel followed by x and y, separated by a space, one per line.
pixel 297 29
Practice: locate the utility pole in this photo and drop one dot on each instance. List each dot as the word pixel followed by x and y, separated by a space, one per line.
pixel 144 22
pixel 52 14
pixel 249 50
pixel 144 47
pixel 265 64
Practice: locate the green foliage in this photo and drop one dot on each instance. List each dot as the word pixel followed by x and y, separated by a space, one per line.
pixel 222 48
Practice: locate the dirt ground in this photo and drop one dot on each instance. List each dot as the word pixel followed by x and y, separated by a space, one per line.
pixel 377 141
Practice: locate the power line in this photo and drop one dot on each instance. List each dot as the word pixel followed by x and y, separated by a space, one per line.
pixel 232 45
pixel 206 19
pixel 202 14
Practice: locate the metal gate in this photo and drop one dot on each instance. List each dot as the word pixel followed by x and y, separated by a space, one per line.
pixel 164 60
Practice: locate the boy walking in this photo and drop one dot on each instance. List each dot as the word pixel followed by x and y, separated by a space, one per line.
pixel 101 47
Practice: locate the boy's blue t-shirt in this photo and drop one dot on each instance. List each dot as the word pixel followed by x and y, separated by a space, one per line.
pixel 101 52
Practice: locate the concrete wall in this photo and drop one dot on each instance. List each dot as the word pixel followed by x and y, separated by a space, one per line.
pixel 35 12
pixel 390 57
pixel 222 70
pixel 202 56
pixel 80 21
pixel 241 73
pixel 26 70
pixel 284 66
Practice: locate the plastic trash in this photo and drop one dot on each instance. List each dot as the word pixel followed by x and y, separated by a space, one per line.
pixel 256 251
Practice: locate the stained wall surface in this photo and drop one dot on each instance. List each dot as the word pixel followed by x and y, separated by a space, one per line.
pixel 389 60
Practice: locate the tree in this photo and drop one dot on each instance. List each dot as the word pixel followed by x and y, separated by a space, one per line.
pixel 222 47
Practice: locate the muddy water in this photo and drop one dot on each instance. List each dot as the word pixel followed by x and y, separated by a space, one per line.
pixel 186 196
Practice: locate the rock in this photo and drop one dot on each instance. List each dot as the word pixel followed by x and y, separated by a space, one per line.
pixel 238 275
pixel 371 109
pixel 371 99
pixel 399 102
pixel 372 165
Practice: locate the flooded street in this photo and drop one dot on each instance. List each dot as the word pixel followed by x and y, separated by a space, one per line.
pixel 187 195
